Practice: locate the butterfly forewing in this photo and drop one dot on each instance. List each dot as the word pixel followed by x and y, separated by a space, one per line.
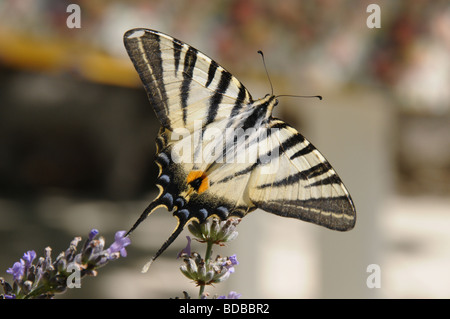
pixel 183 84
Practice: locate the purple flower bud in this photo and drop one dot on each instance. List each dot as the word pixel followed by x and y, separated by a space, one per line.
pixel 187 249
pixel 231 261
pixel 17 270
pixel 234 295
pixel 29 257
pixel 119 244
pixel 93 233
pixel 231 295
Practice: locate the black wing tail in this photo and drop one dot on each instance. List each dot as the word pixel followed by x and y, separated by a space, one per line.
pixel 181 223
pixel 153 205
pixel 176 232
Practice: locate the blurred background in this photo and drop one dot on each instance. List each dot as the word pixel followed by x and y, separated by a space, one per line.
pixel 77 140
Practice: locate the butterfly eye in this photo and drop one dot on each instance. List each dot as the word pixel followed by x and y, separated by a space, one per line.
pixel 276 103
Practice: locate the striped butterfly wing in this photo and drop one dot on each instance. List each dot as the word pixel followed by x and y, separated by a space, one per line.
pixel 190 93
pixel 222 153
pixel 288 177
pixel 299 182
pixel 182 84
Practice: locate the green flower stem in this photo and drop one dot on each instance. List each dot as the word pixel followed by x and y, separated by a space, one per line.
pixel 209 245
pixel 208 253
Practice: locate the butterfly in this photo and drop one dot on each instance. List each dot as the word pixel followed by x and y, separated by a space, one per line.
pixel 220 152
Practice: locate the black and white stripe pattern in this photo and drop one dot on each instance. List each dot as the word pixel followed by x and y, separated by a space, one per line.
pixel 183 85
pixel 286 176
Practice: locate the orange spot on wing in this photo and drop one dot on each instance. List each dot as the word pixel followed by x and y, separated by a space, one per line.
pixel 204 185
pixel 193 175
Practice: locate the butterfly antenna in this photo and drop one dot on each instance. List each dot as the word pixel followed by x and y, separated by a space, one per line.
pixel 144 215
pixel 169 241
pixel 306 96
pixel 265 68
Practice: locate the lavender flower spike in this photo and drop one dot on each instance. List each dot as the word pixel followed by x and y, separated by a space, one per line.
pixel 47 278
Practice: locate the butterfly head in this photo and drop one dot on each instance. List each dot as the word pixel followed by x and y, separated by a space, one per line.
pixel 267 103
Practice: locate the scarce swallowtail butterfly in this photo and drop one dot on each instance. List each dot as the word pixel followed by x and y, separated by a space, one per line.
pixel 222 153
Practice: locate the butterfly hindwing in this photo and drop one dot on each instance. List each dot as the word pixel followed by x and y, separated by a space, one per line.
pixel 299 182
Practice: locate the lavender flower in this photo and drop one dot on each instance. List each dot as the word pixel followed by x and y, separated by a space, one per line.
pixel 17 270
pixel 119 244
pixel 187 250
pixel 231 295
pixel 230 262
pixel 209 271
pixel 29 257
pixel 46 278
pixel 94 232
